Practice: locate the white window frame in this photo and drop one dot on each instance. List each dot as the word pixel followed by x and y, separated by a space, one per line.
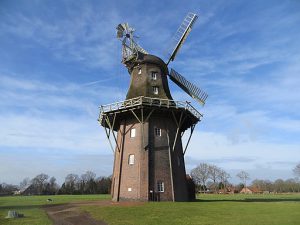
pixel 154 75
pixel 131 159
pixel 157 132
pixel 155 90
pixel 132 132
pixel 160 186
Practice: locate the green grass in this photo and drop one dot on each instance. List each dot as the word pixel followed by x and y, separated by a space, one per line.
pixel 208 210
pixel 30 206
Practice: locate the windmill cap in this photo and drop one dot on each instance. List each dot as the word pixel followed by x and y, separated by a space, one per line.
pixel 152 59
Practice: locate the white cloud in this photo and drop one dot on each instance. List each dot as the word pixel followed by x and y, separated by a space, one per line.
pixel 217 148
pixel 86 36
pixel 57 116
pixel 210 145
pixel 77 134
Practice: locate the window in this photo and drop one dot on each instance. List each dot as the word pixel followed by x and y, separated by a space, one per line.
pixel 154 75
pixel 129 189
pixel 132 133
pixel 160 186
pixel 131 159
pixel 157 131
pixel 155 90
pixel 140 70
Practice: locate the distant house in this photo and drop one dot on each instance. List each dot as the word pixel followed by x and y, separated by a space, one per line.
pixel 228 190
pixel 27 190
pixel 17 192
pixel 250 190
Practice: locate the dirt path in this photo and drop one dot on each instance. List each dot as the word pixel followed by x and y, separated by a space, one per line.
pixel 71 214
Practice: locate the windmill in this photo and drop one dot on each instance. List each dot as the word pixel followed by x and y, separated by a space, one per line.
pixel 146 128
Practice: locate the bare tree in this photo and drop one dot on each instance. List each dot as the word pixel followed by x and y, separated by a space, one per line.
pixel 279 185
pixel 244 176
pixel 200 174
pixel 291 185
pixel 224 176
pixel 40 182
pixel 71 184
pixel 90 175
pixel 53 186
pixel 214 174
pixel 25 182
pixel 296 170
pixel 88 183
pixel 7 189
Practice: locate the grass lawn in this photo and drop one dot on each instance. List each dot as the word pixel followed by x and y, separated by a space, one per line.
pixel 30 206
pixel 209 209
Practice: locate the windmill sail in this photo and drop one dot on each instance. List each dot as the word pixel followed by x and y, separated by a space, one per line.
pixel 120 30
pixel 181 35
pixel 188 87
pixel 130 48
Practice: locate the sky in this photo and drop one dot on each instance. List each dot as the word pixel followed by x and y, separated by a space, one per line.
pixel 61 60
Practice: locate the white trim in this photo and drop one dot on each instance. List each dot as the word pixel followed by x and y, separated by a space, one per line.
pixel 155 90
pixel 157 131
pixel 131 159
pixel 132 132
pixel 154 75
pixel 160 186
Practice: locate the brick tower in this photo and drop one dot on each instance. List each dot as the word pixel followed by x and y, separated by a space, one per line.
pixel 147 128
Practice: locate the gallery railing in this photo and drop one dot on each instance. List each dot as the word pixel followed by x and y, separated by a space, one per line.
pixel 147 101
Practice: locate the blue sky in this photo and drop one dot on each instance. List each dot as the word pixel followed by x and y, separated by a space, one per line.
pixel 60 60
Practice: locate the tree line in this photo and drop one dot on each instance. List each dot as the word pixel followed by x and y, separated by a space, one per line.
pixel 205 176
pixel 42 184
pixel 209 177
pixel 277 186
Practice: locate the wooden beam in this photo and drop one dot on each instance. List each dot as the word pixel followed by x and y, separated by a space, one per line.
pixel 170 165
pixel 135 116
pixel 192 130
pixel 149 115
pixel 121 160
pixel 177 130
pixel 108 123
pixel 142 127
pixel 107 135
pixel 174 118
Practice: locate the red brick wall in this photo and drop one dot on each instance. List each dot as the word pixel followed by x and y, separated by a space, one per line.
pixel 151 161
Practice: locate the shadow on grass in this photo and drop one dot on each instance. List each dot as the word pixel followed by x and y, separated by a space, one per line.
pixel 250 200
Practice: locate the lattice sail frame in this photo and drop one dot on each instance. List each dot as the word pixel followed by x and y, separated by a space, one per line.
pixel 181 35
pixel 191 89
